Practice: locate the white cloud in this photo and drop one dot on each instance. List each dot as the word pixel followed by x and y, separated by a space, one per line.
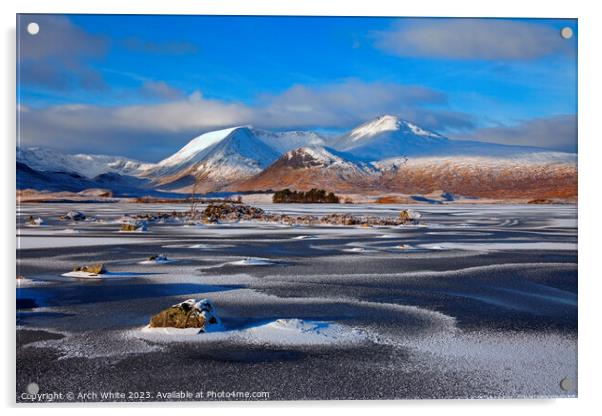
pixel 484 39
pixel 169 124
pixel 557 132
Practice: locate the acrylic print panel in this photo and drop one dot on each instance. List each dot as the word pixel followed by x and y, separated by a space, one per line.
pixel 292 208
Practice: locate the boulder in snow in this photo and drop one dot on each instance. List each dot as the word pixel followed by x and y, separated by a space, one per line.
pixel 188 314
pixel 157 259
pixel 34 222
pixel 74 216
pixel 134 226
pixel 92 269
pixel 407 216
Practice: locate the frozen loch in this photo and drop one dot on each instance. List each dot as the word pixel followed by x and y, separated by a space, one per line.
pixel 477 300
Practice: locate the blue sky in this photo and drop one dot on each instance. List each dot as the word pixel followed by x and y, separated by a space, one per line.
pixel 144 85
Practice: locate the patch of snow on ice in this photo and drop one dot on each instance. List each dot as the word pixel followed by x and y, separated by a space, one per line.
pixel 278 332
pixel 543 245
pixel 26 282
pixel 157 261
pixel 109 275
pixel 355 250
pixel 252 261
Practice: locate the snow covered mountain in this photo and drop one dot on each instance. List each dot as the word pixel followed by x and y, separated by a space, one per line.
pixel 89 166
pixel 386 154
pixel 311 167
pixel 318 157
pixel 214 160
pixel 59 181
pixel 289 140
pixel 392 155
pixel 388 137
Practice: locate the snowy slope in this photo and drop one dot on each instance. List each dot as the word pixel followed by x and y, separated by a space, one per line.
pixel 382 125
pixel 239 153
pixel 311 167
pixel 525 159
pixel 389 137
pixel 55 181
pixel 216 158
pixel 529 176
pixel 48 160
pixel 320 157
pixel 194 150
pixel 289 140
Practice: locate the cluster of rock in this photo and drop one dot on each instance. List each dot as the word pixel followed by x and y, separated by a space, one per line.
pixel 188 314
pixel 162 217
pixel 92 269
pixel 404 218
pixel 73 216
pixel 135 226
pixel 231 212
pixel 34 222
pixel 158 257
pixel 540 201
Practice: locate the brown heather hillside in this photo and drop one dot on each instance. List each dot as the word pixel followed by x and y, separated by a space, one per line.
pixel 478 177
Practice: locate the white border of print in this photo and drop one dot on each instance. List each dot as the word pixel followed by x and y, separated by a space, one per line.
pixel 590 151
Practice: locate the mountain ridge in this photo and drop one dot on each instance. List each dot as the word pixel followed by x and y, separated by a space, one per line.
pixel 367 158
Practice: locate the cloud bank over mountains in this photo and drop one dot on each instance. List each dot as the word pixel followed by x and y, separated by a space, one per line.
pixel 142 114
pixel 334 106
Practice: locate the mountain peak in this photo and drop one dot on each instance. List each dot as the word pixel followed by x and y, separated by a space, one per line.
pixel 283 141
pixel 375 126
pixel 388 135
pixel 388 123
pixel 199 145
pixel 309 156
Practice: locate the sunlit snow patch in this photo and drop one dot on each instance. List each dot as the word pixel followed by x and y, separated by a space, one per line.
pixel 108 275
pixel 355 250
pixel 199 246
pixel 252 261
pixel 493 246
pixel 432 246
pixel 278 332
pixel 387 236
pixel 26 282
pixel 158 259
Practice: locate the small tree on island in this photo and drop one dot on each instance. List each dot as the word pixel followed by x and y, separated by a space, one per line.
pixel 193 201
